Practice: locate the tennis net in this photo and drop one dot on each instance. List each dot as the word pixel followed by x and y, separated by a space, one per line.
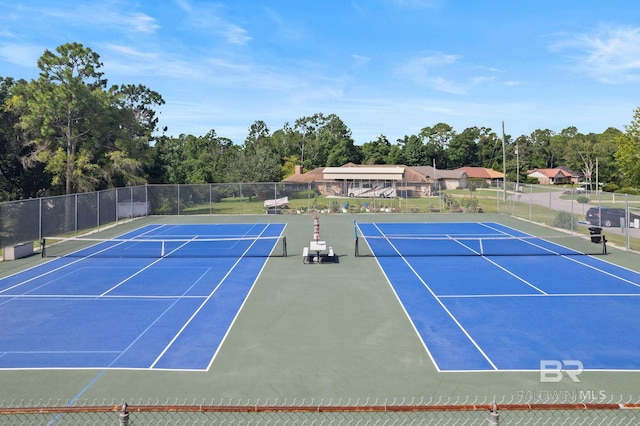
pixel 412 246
pixel 275 246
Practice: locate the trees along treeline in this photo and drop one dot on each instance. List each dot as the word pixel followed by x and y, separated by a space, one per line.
pixel 67 132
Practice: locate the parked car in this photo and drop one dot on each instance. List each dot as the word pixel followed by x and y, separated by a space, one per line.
pixel 608 216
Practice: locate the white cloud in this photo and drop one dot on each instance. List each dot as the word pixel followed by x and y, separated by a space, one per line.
pixel 99 15
pixel 96 15
pixel 284 29
pixel 447 73
pixel 130 51
pixel 184 5
pixel 140 22
pixel 207 17
pixel 235 34
pixel 25 55
pixel 438 59
pixel 126 62
pixel 428 70
pixel 359 61
pixel 610 55
pixel 414 4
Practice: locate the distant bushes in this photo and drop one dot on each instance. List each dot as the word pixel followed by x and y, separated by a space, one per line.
pixel 612 187
pixel 303 195
pixel 630 191
pixel 564 220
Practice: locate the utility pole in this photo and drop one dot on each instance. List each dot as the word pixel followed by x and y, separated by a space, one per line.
pixel 517 168
pixel 504 167
pixel 597 178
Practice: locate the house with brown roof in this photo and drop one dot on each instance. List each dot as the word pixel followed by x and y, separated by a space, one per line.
pixel 489 176
pixel 444 179
pixel 558 175
pixel 379 180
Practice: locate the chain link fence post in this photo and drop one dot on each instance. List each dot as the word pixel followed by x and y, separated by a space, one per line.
pixel 123 416
pixel 494 416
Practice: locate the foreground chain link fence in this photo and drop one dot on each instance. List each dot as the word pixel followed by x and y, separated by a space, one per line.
pixel 403 412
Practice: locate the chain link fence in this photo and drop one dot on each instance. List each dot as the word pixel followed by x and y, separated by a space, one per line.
pixel 68 215
pixel 575 211
pixel 396 412
pixel 561 208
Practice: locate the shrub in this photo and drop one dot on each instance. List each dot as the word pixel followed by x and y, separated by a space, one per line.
pixel 564 220
pixel 627 190
pixel 475 183
pixel 216 195
pixel 469 202
pixel 582 199
pixel 303 195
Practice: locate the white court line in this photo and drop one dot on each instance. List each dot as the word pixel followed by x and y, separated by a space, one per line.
pixel 143 269
pixel 604 272
pixel 60 352
pixel 574 259
pixel 519 278
pixel 202 305
pixel 488 296
pixel 215 354
pixel 246 234
pixel 542 294
pixel 60 267
pixel 453 318
pixel 152 324
pixel 93 296
pixel 495 264
pixel 176 298
pixel 453 238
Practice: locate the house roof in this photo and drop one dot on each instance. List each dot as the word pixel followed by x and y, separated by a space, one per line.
pixel 435 173
pixel 568 170
pixel 550 173
pixel 482 173
pixel 310 176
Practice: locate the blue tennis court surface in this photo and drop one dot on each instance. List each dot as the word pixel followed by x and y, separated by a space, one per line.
pixel 149 300
pixel 485 297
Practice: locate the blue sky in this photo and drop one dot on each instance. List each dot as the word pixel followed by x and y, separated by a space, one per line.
pixel 386 67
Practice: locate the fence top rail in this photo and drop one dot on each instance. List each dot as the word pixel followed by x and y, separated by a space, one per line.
pixel 318 408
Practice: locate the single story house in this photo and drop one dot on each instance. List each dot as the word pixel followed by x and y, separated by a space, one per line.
pixel 444 179
pixel 555 176
pixel 379 180
pixel 489 176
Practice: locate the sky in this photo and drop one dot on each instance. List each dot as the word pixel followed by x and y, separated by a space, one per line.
pixel 385 67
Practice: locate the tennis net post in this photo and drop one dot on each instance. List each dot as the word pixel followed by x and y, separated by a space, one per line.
pixel 355 232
